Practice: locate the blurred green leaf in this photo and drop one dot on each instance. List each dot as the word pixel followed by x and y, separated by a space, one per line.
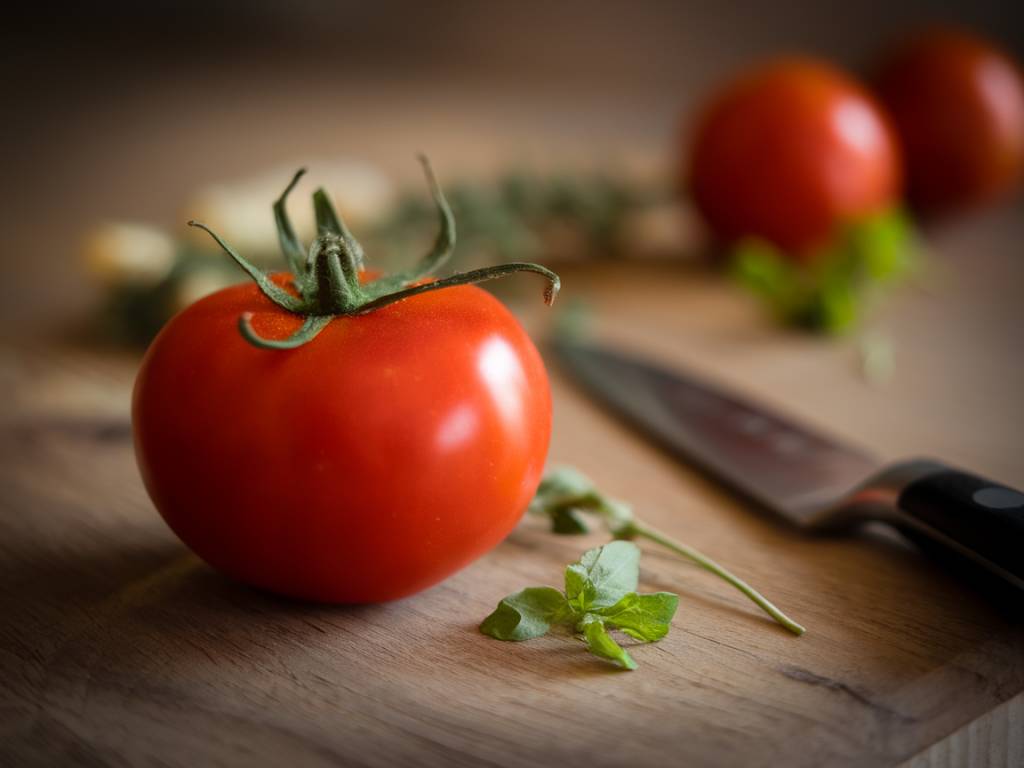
pixel 831 292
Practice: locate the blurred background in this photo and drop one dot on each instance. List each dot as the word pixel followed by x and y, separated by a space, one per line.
pixel 122 111
pixel 154 113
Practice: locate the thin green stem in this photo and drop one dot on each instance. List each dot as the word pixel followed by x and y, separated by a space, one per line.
pixel 443 246
pixel 286 236
pixel 445 242
pixel 334 279
pixel 312 325
pixel 270 289
pixel 645 531
pixel 467 278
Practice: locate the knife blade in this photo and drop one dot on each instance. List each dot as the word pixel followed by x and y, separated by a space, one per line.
pixel 808 478
pixel 771 459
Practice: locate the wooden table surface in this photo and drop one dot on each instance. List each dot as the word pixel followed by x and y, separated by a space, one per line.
pixel 117 646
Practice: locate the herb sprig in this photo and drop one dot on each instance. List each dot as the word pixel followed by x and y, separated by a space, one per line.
pixel 600 595
pixel 565 496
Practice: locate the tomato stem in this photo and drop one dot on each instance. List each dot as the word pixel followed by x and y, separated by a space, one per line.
pixel 312 325
pixel 444 244
pixel 467 278
pixel 270 289
pixel 328 222
pixel 328 278
pixel 335 277
pixel 290 245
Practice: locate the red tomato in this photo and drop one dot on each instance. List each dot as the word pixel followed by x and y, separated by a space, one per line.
pixel 368 464
pixel 958 106
pixel 788 151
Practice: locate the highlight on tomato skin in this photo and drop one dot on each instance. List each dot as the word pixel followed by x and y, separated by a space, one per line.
pixel 957 102
pixel 788 151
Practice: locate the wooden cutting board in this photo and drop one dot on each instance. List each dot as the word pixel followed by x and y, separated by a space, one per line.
pixel 118 646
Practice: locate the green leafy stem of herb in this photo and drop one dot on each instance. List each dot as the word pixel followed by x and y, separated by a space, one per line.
pixel 600 595
pixel 565 496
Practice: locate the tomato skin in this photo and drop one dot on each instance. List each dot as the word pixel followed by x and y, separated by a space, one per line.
pixel 789 150
pixel 958 106
pixel 369 464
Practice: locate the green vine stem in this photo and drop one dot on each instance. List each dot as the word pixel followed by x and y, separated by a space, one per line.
pixel 636 529
pixel 564 493
pixel 327 279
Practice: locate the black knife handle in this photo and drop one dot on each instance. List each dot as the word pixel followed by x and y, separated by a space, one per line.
pixel 975 517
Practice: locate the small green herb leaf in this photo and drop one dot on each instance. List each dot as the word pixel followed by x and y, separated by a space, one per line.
pixel 599 595
pixel 526 614
pixel 603 576
pixel 601 643
pixel 642 617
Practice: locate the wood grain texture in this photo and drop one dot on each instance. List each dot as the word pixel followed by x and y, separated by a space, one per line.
pixel 995 740
pixel 118 647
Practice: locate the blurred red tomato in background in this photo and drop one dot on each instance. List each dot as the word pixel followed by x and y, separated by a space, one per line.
pixel 957 103
pixel 788 151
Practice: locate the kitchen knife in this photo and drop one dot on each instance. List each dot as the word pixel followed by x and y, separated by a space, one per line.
pixel 806 477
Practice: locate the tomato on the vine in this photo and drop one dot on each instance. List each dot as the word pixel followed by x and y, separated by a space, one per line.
pixel 789 151
pixel 398 435
pixel 958 106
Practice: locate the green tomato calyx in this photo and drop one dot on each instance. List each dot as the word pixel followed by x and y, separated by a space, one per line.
pixel 327 277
